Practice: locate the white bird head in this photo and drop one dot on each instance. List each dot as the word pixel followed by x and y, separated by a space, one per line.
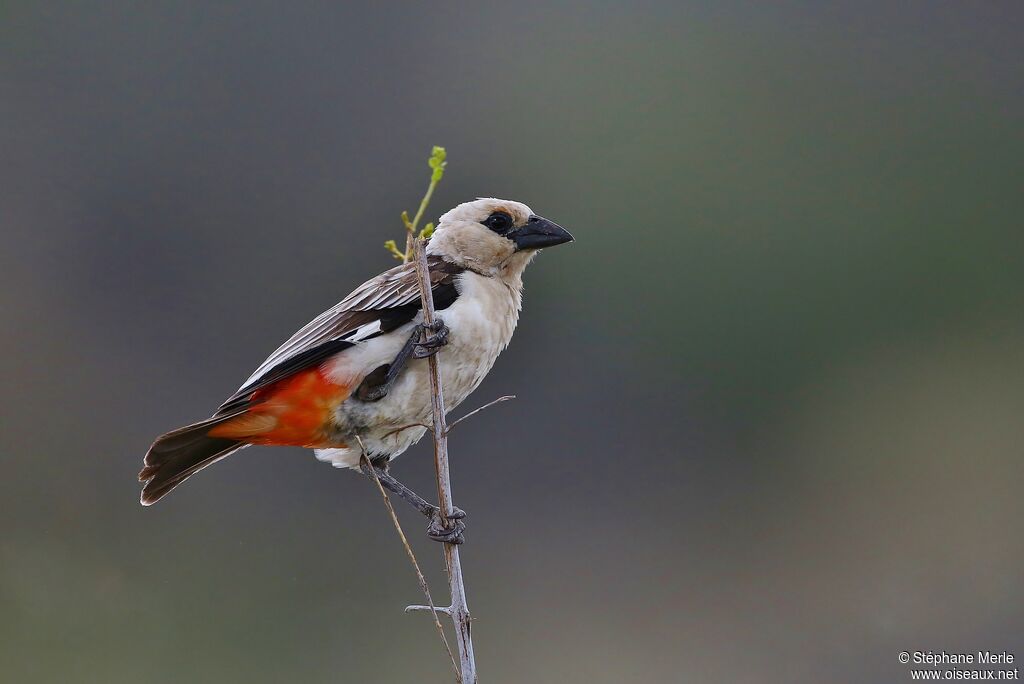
pixel 493 236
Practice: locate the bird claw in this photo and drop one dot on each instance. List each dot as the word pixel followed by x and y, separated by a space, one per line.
pixel 432 343
pixel 448 530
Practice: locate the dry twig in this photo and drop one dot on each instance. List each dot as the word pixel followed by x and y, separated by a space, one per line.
pixel 458 610
pixel 478 410
pixel 412 557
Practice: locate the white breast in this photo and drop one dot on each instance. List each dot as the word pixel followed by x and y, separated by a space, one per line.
pixel 480 323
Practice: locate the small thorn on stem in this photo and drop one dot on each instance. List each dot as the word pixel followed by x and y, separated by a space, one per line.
pixel 437 609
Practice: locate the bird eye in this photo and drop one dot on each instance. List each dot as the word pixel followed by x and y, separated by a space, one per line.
pixel 499 222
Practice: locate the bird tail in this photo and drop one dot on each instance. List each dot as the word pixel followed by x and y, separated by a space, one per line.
pixel 178 455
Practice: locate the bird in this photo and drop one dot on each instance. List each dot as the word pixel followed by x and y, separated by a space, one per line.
pixel 353 384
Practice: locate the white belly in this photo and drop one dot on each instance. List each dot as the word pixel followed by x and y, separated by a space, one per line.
pixel 480 324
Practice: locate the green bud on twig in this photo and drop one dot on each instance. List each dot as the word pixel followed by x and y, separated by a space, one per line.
pixel 395 252
pixel 437 163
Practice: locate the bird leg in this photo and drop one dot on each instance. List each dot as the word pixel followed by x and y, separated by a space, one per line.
pixel 441 528
pixel 376 385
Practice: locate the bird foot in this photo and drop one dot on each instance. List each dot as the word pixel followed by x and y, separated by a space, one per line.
pixel 448 530
pixel 432 343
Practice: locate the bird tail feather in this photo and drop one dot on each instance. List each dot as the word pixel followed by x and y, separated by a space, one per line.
pixel 177 455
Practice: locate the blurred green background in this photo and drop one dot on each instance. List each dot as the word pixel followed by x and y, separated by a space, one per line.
pixel 769 425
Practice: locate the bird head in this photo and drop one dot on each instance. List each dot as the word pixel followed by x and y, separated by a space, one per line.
pixel 493 236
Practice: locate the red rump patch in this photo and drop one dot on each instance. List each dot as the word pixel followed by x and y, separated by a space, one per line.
pixel 294 411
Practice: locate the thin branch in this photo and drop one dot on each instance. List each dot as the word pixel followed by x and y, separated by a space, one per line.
pixel 412 557
pixel 410 235
pixel 406 427
pixel 478 410
pixel 459 608
pixel 415 249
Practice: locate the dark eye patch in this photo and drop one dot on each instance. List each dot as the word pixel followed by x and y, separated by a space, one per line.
pixel 500 222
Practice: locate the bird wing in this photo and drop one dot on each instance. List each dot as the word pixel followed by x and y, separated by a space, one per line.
pixel 378 306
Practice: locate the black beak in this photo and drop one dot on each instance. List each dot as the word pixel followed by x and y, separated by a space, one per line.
pixel 538 233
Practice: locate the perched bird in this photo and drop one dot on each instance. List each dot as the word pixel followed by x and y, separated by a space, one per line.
pixel 355 376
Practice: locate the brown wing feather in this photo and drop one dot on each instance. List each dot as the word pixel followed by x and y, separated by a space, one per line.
pixel 392 298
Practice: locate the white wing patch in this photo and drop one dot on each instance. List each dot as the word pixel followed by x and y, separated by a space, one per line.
pixel 364 331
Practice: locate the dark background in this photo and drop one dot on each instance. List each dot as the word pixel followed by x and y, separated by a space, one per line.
pixel 769 424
